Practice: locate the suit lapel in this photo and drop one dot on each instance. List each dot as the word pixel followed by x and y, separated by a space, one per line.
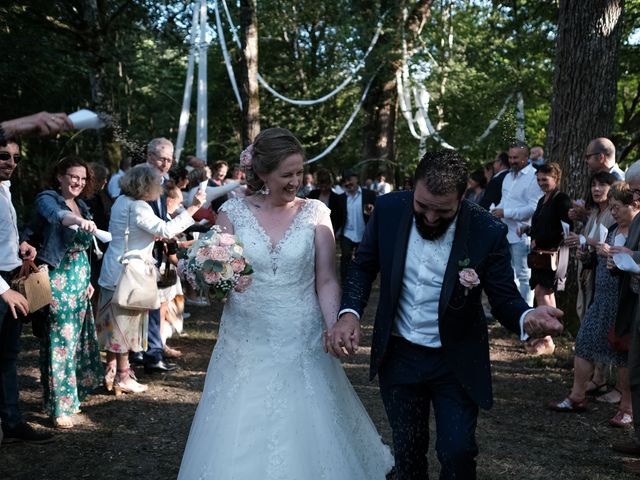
pixel 400 254
pixel 458 253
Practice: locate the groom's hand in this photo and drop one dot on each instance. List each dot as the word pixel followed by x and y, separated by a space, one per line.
pixel 543 321
pixel 344 336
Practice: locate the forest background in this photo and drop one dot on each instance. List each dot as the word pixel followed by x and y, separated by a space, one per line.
pixel 557 73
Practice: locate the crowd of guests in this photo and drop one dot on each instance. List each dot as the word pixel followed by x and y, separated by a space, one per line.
pixel 157 208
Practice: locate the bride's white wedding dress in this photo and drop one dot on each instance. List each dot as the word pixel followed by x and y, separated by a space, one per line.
pixel 274 405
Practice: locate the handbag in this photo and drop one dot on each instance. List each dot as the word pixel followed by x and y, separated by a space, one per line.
pixel 137 287
pixel 546 260
pixel 619 344
pixel 33 283
pixel 168 274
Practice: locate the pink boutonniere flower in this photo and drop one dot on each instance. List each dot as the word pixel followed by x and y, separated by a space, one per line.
pixel 468 279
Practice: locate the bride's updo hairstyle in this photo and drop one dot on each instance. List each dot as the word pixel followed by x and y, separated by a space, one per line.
pixel 268 150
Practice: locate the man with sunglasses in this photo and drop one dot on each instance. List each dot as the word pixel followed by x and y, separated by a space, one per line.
pixel 12 305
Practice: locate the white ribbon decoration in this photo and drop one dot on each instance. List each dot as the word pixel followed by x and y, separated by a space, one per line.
pixel 324 98
pixel 188 86
pixel 225 54
pixel 201 118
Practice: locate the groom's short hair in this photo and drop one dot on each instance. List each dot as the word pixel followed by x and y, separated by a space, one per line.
pixel 443 172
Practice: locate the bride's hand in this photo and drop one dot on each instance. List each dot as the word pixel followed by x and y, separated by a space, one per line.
pixel 343 337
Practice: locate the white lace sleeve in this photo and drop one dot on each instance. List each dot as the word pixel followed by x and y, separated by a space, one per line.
pixel 233 209
pixel 319 211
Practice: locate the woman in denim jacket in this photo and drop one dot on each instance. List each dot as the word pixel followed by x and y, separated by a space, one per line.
pixel 69 355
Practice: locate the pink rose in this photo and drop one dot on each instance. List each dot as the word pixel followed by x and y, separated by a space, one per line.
pixel 226 239
pixel 211 278
pixel 468 278
pixel 238 265
pixel 243 283
pixel 220 254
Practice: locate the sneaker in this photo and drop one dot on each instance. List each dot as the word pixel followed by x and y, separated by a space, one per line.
pixel 23 432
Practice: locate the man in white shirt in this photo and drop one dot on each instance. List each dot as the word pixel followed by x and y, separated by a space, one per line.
pixel 12 306
pixel 429 346
pixel 537 156
pixel 113 187
pixel 520 195
pixel 381 185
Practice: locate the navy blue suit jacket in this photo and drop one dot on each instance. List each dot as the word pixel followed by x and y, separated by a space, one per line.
pixel 481 239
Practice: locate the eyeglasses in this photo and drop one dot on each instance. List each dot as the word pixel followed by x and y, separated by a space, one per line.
pixel 76 179
pixel 6 156
pixel 588 155
pixel 163 159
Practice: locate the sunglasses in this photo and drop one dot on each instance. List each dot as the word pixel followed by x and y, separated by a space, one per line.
pixel 6 156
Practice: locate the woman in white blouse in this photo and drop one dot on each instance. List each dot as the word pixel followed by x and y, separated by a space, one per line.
pixel 120 330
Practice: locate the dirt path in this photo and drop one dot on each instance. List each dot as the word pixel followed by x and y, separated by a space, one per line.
pixel 144 435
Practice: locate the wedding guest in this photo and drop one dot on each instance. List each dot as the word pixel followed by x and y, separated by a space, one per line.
pixel 12 305
pixel 180 176
pixel 70 365
pixel 488 171
pixel 520 195
pixel 269 377
pixel 381 186
pixel 592 343
pixel 597 204
pixel 475 186
pixel 213 193
pixel 308 184
pixel 628 320
pixel 100 207
pixel 113 188
pixel 358 204
pixel 219 171
pixel 237 175
pixel 429 343
pixel 329 198
pixel 493 192
pixel 537 156
pixel 547 234
pixel 121 330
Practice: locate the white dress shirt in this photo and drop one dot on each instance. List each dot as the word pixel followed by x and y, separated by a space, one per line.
pixel 9 237
pixel 354 225
pixel 417 316
pixel 520 195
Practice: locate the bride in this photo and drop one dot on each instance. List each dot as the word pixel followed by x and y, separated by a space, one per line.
pixel 275 405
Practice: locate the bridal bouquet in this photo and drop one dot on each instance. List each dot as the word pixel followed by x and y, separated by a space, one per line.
pixel 214 263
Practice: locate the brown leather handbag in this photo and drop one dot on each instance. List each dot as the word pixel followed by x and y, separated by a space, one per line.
pixel 546 260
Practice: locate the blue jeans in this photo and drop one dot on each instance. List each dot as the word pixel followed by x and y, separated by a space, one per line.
pixel 10 330
pixel 519 252
pixel 412 378
pixel 154 339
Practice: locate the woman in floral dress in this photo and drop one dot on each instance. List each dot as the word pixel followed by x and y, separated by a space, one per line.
pixel 69 355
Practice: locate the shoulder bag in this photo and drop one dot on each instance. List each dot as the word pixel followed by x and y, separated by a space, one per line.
pixel 137 288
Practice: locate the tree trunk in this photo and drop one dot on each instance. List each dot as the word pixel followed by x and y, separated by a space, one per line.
pixel 584 98
pixel 381 104
pixel 249 72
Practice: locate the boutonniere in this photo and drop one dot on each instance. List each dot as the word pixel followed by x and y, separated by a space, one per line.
pixel 468 276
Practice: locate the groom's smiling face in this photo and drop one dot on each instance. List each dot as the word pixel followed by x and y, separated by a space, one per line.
pixel 434 213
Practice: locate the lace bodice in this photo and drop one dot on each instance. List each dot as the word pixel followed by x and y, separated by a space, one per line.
pixel 282 297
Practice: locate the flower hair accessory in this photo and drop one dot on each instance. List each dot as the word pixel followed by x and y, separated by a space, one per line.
pixel 246 157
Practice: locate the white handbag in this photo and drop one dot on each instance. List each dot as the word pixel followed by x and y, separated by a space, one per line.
pixel 137 288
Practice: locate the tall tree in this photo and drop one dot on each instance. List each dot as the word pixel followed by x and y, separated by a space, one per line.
pixel 381 104
pixel 584 91
pixel 249 71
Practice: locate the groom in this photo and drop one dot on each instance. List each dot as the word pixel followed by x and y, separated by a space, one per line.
pixel 430 343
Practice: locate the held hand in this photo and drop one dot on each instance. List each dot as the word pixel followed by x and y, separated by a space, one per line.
pixel 543 321
pixel 27 252
pixel 603 249
pixel 87 225
pixel 498 212
pixel 16 302
pixel 572 240
pixel 368 209
pixel 199 198
pixel 344 336
pixel 620 249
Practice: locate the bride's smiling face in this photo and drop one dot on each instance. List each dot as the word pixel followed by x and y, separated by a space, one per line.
pixel 285 181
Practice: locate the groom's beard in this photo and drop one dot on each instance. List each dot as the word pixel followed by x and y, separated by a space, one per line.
pixel 432 232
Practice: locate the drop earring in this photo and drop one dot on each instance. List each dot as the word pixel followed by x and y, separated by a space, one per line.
pixel 265 190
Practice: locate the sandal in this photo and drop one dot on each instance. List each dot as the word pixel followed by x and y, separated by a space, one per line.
pixel 109 377
pixel 621 419
pixel 593 389
pixel 568 406
pixel 613 396
pixel 63 422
